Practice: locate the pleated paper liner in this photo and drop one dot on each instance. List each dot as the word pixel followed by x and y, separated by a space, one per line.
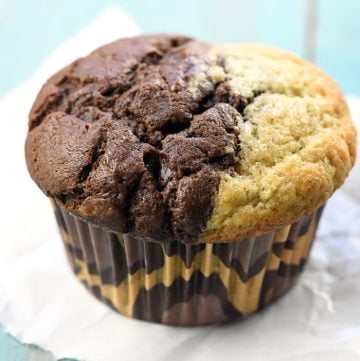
pixel 181 284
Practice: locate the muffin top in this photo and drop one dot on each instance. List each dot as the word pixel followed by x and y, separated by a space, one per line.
pixel 171 138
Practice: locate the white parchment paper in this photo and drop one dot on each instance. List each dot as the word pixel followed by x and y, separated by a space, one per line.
pixel 41 302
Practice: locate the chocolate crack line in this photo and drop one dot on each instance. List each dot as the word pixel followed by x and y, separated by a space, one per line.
pixel 153 160
pixel 97 151
pixel 69 84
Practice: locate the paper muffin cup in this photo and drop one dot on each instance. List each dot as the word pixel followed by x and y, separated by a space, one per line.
pixel 185 284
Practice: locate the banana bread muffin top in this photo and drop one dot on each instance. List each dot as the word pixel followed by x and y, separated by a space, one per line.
pixel 169 138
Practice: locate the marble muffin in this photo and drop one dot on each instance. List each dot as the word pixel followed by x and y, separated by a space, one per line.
pixel 188 178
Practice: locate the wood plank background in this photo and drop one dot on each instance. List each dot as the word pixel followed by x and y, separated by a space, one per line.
pixel 324 31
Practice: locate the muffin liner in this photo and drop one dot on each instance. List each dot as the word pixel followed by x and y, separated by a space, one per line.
pixel 185 284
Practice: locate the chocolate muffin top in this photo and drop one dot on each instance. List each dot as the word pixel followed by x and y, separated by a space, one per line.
pixel 169 138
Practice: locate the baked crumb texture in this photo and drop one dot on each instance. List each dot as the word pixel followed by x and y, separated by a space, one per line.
pixel 297 143
pixel 169 138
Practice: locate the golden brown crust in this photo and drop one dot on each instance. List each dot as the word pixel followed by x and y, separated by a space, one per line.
pixel 297 145
pixel 168 137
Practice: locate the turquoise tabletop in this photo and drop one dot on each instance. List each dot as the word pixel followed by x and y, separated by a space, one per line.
pixel 324 31
pixel 12 350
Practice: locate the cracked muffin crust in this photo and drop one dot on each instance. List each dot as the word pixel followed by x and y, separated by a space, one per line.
pixel 168 138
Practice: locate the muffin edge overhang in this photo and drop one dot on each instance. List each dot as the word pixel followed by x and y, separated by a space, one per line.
pixel 297 141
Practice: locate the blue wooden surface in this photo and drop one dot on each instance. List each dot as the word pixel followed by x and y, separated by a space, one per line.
pixel 328 30
pixel 338 48
pixel 12 350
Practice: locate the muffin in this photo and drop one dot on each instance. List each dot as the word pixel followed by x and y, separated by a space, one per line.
pixel 188 179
